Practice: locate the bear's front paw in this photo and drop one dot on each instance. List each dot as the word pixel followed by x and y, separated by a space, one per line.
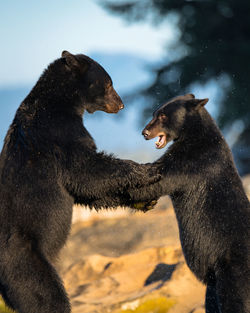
pixel 144 206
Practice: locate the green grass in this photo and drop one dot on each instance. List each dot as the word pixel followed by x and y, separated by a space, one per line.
pixel 155 305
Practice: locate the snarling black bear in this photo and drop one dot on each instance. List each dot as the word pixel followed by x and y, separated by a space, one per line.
pixel 211 207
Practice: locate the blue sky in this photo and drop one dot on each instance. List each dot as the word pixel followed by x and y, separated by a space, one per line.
pixel 33 33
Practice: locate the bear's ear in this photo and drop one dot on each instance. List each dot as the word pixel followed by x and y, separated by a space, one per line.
pixel 73 63
pixel 70 59
pixel 196 104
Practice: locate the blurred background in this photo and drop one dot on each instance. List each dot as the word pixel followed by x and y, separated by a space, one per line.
pixel 153 50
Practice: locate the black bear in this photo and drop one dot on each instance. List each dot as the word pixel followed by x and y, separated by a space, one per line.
pixel 49 162
pixel 211 207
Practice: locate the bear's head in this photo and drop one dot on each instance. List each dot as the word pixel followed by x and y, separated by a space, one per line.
pixel 92 83
pixel 172 120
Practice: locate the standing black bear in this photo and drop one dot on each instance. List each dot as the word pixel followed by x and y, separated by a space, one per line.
pixel 209 201
pixel 48 163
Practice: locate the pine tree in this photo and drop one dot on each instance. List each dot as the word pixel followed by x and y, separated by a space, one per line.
pixel 214 44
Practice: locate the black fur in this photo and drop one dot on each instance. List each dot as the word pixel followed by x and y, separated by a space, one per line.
pixel 49 162
pixel 209 201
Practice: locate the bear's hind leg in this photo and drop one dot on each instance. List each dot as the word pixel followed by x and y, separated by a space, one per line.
pixel 233 288
pixel 30 284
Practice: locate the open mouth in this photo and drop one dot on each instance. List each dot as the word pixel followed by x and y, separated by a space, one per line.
pixel 162 141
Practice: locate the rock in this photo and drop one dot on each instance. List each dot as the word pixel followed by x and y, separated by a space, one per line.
pixel 129 263
pixel 105 284
pixel 121 235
